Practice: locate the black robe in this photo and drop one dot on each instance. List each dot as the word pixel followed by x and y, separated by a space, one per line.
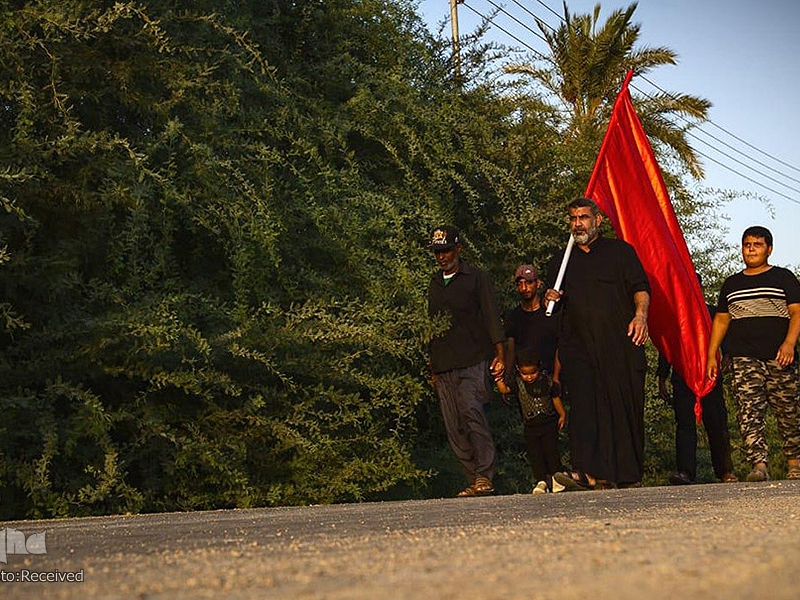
pixel 603 371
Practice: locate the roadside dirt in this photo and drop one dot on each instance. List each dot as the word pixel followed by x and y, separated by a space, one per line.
pixel 734 541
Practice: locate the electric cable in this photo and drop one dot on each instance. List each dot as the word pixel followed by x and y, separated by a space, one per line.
pixel 696 126
pixel 508 33
pixel 734 159
pixel 713 137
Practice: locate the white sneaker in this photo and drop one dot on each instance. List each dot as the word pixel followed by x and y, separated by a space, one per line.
pixel 557 487
pixel 541 488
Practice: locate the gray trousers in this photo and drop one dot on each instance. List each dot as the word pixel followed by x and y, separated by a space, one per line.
pixel 463 395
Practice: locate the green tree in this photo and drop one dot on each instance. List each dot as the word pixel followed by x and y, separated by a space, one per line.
pixel 587 64
pixel 214 231
pixel 197 336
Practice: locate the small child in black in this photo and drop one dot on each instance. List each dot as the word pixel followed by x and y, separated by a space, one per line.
pixel 543 415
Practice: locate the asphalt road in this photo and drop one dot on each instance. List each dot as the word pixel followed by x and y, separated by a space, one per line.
pixel 731 541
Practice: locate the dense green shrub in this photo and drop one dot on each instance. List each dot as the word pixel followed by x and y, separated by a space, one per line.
pixel 212 249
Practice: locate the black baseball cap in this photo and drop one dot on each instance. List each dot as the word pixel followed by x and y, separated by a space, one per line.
pixel 445 237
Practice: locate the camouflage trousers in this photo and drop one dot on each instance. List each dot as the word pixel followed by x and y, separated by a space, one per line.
pixel 758 384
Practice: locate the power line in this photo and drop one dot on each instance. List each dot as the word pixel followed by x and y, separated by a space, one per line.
pixel 732 170
pixel 535 16
pixel 708 121
pixel 518 22
pixel 735 137
pixel 558 16
pixel 748 144
pixel 508 33
pixel 734 159
pixel 696 126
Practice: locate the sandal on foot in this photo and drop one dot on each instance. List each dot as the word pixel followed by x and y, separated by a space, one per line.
pixel 573 480
pixel 482 487
pixel 731 478
pixel 793 473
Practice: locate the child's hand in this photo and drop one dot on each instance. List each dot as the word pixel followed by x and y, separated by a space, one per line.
pixel 562 414
pixel 501 385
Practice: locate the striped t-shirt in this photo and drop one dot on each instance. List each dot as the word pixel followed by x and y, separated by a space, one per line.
pixel 758 308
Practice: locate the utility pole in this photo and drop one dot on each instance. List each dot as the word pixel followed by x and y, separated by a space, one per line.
pixel 456 44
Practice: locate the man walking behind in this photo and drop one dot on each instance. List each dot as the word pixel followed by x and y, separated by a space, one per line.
pixel 759 311
pixel 526 325
pixel 715 421
pixel 465 356
pixel 604 304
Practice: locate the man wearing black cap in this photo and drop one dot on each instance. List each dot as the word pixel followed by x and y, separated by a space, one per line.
pixel 463 356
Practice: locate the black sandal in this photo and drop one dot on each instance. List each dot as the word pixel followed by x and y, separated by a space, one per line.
pixel 573 480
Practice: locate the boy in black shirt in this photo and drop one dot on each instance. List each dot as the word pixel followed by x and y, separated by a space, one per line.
pixel 542 410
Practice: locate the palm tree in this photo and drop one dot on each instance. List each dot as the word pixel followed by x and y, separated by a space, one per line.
pixel 588 63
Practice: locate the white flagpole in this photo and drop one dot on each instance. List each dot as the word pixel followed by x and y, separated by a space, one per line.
pixel 551 305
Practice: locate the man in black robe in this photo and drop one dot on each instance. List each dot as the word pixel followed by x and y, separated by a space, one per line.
pixel 602 312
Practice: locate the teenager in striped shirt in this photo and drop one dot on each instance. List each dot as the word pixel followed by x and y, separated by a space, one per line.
pixel 758 313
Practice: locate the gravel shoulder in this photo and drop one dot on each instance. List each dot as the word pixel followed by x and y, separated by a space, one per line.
pixel 703 541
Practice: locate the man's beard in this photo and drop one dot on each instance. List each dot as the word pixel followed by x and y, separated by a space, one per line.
pixel 581 238
pixel 585 237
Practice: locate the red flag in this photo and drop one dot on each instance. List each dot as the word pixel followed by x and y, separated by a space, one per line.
pixel 628 187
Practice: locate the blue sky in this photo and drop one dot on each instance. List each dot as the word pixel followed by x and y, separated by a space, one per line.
pixel 742 55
